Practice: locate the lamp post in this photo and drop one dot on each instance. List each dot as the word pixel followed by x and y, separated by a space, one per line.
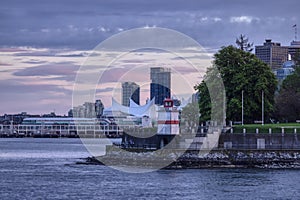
pixel 242 107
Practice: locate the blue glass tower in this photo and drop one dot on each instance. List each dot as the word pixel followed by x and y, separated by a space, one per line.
pixel 160 87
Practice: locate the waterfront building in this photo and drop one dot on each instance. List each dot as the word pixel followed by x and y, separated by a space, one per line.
pixel 130 90
pixel 118 111
pixel 273 54
pixel 67 127
pixel 286 70
pixel 160 87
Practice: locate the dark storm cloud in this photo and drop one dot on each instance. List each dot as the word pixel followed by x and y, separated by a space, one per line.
pixel 73 55
pixel 191 57
pixel 4 64
pixel 54 53
pixel 38 54
pixel 134 61
pixel 21 95
pixel 32 61
pixel 83 24
pixel 107 89
pixel 14 86
pixel 58 69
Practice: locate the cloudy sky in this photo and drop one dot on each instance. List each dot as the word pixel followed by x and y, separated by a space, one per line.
pixel 44 43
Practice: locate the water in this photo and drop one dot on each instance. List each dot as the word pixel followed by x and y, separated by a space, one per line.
pixel 45 169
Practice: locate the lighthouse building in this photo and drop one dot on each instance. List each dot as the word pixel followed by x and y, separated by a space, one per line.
pixel 168 119
pixel 167 129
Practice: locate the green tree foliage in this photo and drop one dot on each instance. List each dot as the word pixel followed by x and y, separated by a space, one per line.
pixel 243 44
pixel 296 58
pixel 288 99
pixel 204 102
pixel 212 97
pixel 240 71
pixel 189 118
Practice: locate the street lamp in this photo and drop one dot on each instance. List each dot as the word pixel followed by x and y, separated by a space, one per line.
pixel 242 107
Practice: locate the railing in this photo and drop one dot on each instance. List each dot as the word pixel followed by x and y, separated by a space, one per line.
pixel 71 130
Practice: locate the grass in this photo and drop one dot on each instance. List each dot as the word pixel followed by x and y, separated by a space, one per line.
pixel 276 128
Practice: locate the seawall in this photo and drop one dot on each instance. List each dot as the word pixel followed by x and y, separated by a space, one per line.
pixel 234 150
pixel 273 159
pixel 274 141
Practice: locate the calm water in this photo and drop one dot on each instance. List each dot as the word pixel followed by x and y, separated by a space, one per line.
pixel 45 169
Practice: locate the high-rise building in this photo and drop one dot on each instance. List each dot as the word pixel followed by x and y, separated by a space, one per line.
pixel 160 87
pixel 89 109
pixel 130 90
pixel 70 113
pixel 195 97
pixel 294 48
pixel 99 108
pixel 78 111
pixel 272 54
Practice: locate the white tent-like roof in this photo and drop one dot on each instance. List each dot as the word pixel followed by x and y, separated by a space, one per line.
pixel 134 109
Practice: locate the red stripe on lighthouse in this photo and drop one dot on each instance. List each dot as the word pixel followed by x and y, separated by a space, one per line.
pixel 168 122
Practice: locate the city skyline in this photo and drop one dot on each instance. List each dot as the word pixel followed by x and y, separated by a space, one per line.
pixel 130 90
pixel 43 44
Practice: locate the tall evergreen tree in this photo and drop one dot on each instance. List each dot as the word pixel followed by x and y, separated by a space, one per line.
pixel 243 44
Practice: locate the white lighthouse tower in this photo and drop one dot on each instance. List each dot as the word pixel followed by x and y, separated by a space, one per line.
pixel 168 119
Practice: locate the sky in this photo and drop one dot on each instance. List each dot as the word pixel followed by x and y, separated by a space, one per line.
pixel 43 43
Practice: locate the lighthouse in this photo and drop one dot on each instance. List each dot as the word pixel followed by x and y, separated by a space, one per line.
pixel 167 130
pixel 168 119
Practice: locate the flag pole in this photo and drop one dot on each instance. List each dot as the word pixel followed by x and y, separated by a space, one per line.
pixel 262 107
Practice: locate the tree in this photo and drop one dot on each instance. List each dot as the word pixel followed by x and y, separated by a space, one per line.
pixel 211 93
pixel 296 57
pixel 243 44
pixel 189 118
pixel 288 99
pixel 240 71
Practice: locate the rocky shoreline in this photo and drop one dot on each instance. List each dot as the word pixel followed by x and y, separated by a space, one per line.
pixel 241 159
pixel 267 159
